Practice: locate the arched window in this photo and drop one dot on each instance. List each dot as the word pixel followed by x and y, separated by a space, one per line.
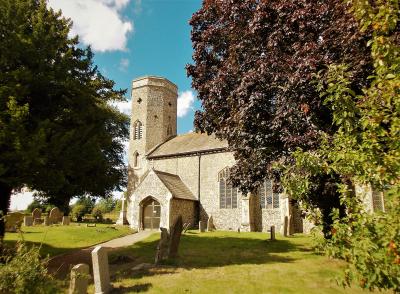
pixel 137 130
pixel 136 159
pixel 269 199
pixel 227 193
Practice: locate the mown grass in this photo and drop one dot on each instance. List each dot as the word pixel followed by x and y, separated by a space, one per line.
pixel 231 262
pixel 57 239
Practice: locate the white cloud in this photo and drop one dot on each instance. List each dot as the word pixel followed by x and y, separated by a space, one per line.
pixel 98 23
pixel 123 106
pixel 185 102
pixel 123 64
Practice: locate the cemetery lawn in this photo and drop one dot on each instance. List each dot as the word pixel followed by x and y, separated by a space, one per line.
pixel 58 239
pixel 229 262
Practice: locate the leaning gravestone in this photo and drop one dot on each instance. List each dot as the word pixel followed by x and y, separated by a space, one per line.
pixel 13 221
pixel 79 279
pixel 210 224
pixel 175 238
pixel 55 216
pixel 36 213
pixel 101 274
pixel 28 220
pixel 162 247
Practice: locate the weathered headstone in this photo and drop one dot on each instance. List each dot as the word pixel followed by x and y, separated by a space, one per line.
pixel 13 221
pixel 162 247
pixel 36 213
pixel 201 227
pixel 28 220
pixel 273 233
pixel 210 224
pixel 46 221
pixel 101 274
pixel 285 226
pixel 175 238
pixel 55 216
pixel 290 225
pixel 37 221
pixel 79 279
pixel 65 220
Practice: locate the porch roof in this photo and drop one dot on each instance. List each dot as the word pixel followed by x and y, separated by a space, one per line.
pixel 175 185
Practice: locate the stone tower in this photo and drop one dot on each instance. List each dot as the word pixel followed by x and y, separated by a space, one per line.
pixel 153 121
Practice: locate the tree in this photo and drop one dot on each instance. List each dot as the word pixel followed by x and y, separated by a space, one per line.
pixel 254 67
pixel 58 135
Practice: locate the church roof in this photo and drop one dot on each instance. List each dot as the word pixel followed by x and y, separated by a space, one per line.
pixel 188 144
pixel 175 185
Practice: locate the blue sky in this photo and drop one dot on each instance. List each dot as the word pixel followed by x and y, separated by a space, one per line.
pixel 132 38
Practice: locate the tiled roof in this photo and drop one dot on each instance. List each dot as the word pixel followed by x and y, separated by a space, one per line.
pixel 187 144
pixel 175 185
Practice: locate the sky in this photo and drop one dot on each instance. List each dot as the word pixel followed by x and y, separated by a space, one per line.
pixel 133 38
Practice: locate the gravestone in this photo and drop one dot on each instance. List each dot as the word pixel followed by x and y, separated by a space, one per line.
pixel 36 213
pixel 28 220
pixel 101 274
pixel 65 220
pixel 273 233
pixel 210 224
pixel 290 225
pixel 285 226
pixel 175 238
pixel 13 221
pixel 79 279
pixel 55 216
pixel 37 221
pixel 46 221
pixel 162 247
pixel 201 227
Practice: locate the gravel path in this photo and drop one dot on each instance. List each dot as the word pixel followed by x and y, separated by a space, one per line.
pixel 60 265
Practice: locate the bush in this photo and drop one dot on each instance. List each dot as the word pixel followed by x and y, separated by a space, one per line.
pixel 97 213
pixel 26 272
pixel 78 211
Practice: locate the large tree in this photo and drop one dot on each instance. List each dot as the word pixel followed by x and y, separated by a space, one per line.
pixel 254 70
pixel 58 133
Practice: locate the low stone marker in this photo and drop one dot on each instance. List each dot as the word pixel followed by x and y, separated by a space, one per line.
pixel 175 238
pixel 46 221
pixel 285 226
pixel 28 220
pixel 55 216
pixel 290 225
pixel 101 274
pixel 202 228
pixel 13 221
pixel 79 279
pixel 65 220
pixel 36 213
pixel 210 224
pixel 273 233
pixel 162 247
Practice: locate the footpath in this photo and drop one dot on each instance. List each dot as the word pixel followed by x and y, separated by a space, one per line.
pixel 60 265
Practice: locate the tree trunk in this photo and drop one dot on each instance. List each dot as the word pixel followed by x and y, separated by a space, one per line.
pixel 5 196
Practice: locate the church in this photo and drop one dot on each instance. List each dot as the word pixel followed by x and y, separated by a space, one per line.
pixel 171 175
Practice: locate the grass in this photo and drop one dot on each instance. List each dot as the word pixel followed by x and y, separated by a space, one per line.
pixel 60 239
pixel 231 262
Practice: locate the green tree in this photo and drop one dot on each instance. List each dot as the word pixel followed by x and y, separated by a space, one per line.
pixel 58 133
pixel 365 149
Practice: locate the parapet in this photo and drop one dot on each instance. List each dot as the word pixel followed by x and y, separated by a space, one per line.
pixel 154 81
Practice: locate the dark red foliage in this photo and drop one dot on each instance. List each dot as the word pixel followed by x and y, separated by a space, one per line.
pixel 254 66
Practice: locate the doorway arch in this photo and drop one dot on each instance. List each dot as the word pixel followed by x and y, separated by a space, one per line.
pixel 151 214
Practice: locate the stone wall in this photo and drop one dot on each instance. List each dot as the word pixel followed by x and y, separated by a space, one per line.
pixel 185 208
pixel 271 217
pixel 150 187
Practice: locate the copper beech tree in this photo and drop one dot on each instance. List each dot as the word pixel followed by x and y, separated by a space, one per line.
pixel 254 70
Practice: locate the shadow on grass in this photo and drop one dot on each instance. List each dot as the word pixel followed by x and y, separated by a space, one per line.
pixel 45 249
pixel 136 288
pixel 207 250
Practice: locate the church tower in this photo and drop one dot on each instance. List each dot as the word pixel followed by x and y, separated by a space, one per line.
pixel 153 121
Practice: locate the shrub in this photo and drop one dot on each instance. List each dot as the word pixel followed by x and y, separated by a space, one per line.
pixel 25 272
pixel 97 213
pixel 78 211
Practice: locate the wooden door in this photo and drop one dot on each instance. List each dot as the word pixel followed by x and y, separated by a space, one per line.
pixel 151 215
